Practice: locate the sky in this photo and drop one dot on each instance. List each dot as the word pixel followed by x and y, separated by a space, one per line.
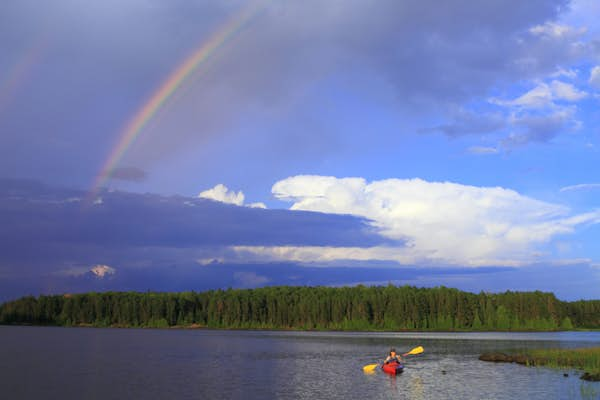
pixel 194 145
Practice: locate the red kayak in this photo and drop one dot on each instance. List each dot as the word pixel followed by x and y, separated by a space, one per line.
pixel 393 368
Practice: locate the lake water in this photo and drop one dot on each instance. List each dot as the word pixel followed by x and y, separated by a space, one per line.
pixel 82 363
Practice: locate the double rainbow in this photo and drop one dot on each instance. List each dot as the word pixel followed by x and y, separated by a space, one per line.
pixel 174 81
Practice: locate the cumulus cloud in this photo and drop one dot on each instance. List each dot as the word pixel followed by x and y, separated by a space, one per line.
pixel 566 91
pixel 222 194
pixel 541 114
pixel 441 222
pixel 544 95
pixel 540 96
pixel 538 115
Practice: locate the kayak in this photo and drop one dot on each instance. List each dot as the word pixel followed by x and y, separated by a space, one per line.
pixel 392 368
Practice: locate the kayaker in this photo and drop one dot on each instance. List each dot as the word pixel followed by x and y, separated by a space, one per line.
pixel 393 357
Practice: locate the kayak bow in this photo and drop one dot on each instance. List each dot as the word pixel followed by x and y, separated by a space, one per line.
pixel 393 368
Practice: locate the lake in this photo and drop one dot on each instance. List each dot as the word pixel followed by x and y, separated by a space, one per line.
pixel 89 363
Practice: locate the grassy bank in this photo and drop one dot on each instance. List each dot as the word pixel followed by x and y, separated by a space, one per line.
pixel 585 359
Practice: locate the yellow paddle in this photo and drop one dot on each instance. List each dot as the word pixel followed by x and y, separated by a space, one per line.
pixel 416 350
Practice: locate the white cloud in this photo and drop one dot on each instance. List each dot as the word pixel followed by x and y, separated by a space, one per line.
pixel 439 222
pixel 329 254
pixel 482 150
pixel 257 205
pixel 595 77
pixel 542 113
pixel 566 73
pixel 544 95
pixel 555 31
pixel 538 97
pixel 100 271
pixel 210 261
pixel 582 186
pixel 222 194
pixel 566 91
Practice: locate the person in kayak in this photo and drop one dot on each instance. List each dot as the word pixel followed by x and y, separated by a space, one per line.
pixel 393 357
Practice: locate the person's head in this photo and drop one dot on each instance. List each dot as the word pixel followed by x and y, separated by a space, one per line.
pixel 392 352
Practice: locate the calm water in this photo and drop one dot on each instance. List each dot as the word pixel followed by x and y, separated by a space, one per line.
pixel 82 363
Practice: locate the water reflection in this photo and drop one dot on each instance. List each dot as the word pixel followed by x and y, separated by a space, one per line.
pixel 416 388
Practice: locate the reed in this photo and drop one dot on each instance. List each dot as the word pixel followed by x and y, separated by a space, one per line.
pixel 587 359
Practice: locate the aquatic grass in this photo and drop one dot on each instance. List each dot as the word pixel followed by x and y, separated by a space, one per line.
pixel 586 359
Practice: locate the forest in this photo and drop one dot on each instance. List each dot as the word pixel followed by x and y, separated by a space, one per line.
pixel 356 308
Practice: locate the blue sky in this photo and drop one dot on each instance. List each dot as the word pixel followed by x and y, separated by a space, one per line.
pixel 330 143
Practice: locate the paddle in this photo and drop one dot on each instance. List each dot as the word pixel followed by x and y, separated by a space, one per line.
pixel 416 350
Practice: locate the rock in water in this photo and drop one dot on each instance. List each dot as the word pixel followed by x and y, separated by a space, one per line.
pixel 502 357
pixel 590 377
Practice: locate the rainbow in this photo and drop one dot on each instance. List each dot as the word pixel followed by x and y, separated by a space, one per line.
pixel 174 81
pixel 20 70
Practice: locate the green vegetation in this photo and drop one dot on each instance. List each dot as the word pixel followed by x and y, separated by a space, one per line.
pixel 587 359
pixel 284 307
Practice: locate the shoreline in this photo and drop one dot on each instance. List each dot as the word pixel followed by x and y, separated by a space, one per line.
pixel 297 329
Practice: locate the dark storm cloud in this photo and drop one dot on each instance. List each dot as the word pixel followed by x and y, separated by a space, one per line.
pixel 47 228
pixel 132 174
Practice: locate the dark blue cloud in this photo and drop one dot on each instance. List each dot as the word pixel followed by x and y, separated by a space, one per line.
pixel 132 174
pixel 38 213
pixel 563 281
pixel 48 230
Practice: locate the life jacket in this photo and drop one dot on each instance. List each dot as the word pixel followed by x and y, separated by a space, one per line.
pixel 392 359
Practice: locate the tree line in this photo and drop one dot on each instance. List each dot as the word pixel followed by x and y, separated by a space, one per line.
pixel 290 307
